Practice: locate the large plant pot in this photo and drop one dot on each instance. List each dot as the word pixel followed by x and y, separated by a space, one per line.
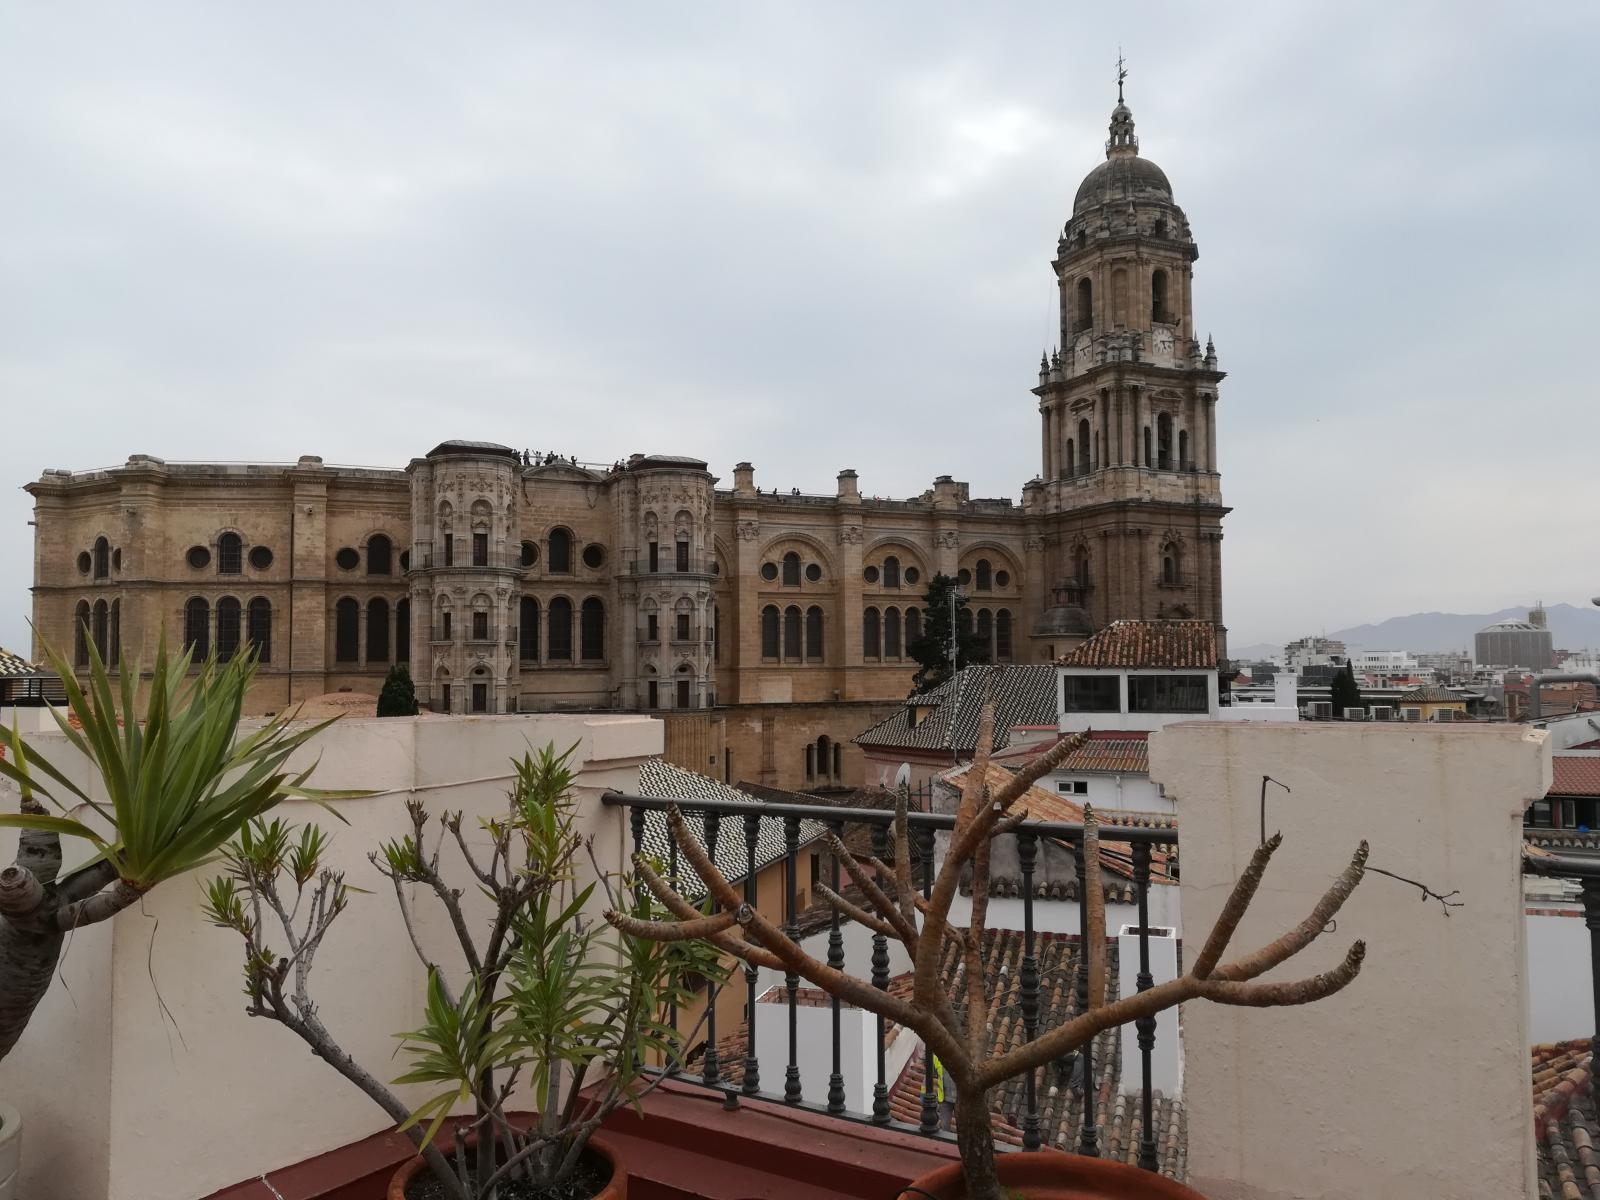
pixel 10 1151
pixel 416 1165
pixel 1052 1175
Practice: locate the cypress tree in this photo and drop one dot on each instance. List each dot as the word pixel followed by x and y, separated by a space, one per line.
pixel 399 697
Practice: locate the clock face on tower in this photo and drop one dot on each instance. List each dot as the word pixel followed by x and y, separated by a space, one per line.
pixel 1163 341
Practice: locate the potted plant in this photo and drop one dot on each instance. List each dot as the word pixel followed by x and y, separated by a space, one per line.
pixel 545 1005
pixel 177 784
pixel 954 1027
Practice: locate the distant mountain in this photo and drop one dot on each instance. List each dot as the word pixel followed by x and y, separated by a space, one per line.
pixel 1572 627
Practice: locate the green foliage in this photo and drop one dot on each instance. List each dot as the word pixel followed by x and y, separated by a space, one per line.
pixel 1344 691
pixel 399 696
pixel 931 648
pixel 178 781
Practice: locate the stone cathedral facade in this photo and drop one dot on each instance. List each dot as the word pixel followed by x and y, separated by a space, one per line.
pixel 515 585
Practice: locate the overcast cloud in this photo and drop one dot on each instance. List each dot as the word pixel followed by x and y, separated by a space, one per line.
pixel 818 236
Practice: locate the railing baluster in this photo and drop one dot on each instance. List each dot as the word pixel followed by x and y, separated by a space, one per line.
pixel 752 1069
pixel 1027 852
pixel 1145 1025
pixel 880 980
pixel 711 1074
pixel 1089 1135
pixel 930 1097
pixel 791 981
pixel 672 1009
pixel 836 961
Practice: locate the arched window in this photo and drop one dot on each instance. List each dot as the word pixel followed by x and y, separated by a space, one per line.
pixel 230 554
pixel 1087 464
pixel 1085 306
pixel 913 627
pixel 824 756
pixel 814 632
pixel 685 687
pixel 791 569
pixel 228 628
pixel 791 632
pixel 347 631
pixel 1164 442
pixel 1002 635
pixel 811 761
pixel 1149 452
pixel 102 627
pixel 377 630
pixel 380 554
pixel 1119 297
pixel 1080 566
pixel 891 572
pixel 592 629
pixel 983 573
pixel 402 631
pixel 116 634
pixel 891 633
pixel 964 621
pixel 559 560
pixel 1072 465
pixel 870 644
pixel 560 614
pixel 259 628
pixel 197 627
pixel 1171 564
pixel 102 558
pixel 986 630
pixel 528 630
pixel 80 634
pixel 1158 298
pixel 769 631
pixel 1184 462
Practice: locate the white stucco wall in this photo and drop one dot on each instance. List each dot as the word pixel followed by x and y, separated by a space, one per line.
pixel 1414 1080
pixel 1560 981
pixel 1128 792
pixel 114 1098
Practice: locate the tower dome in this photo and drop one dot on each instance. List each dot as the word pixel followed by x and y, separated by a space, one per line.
pixel 1124 176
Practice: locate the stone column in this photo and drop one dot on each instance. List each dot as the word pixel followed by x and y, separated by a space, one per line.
pixel 844 644
pixel 306 627
pixel 1211 432
pixel 1046 439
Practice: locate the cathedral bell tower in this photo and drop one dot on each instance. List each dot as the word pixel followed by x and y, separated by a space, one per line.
pixel 1129 497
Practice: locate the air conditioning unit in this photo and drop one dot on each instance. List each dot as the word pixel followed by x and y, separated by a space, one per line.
pixel 1413 714
pixel 1355 714
pixel 1444 714
pixel 1320 710
pixel 1382 712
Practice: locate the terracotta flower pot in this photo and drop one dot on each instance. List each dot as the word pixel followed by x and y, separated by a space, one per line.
pixel 617 1189
pixel 1052 1175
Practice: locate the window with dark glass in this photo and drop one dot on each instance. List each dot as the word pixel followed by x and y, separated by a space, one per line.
pixel 480 626
pixel 480 697
pixel 260 628
pixel 964 621
pixel 791 569
pixel 197 627
pixel 891 572
pixel 347 559
pixel 480 549
pixel 230 554
pixel 593 620
pixel 681 562
pixel 377 630
pixel 683 627
pixel 986 628
pixel 380 555
pixel 1091 693
pixel 913 627
pixel 769 631
pixel 813 573
pixel 985 575
pixel 449 552
pixel 1167 693
pixel 444 624
pixel 684 700
pixel 560 551
pixel 1002 635
pixel 1002 579
pixel 560 617
pixel 870 643
pixel 652 628
pixel 912 575
pixel 102 558
pixel 594 556
pixel 891 633
pixel 116 634
pixel 102 628
pixel 444 697
pixel 652 694
pixel 80 634
pixel 870 574
pixel 813 632
pixel 528 630
pixel 84 562
pixel 791 632
pixel 227 628
pixel 530 553
pixel 402 631
pixel 964 577
pixel 769 571
pixel 653 560
pixel 347 631
pixel 198 557
pixel 260 557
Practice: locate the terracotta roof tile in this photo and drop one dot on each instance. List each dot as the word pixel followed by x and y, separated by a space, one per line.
pixel 1430 693
pixel 1111 751
pixel 1575 775
pixel 1181 645
pixel 14 664
pixel 1023 695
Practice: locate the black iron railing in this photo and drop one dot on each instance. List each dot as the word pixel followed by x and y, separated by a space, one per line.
pixel 710 816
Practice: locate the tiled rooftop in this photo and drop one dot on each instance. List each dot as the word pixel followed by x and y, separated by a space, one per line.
pixel 1564 1122
pixel 1430 693
pixel 1107 751
pixel 14 664
pixel 1575 775
pixel 1022 695
pixel 1173 645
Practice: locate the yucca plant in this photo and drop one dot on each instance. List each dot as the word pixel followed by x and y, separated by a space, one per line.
pixel 178 782
pixel 544 1008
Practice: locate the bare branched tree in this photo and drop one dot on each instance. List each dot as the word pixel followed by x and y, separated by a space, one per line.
pixel 959 1037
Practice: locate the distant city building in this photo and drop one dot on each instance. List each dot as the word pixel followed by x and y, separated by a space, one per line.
pixel 1389 664
pixel 1314 652
pixel 1516 643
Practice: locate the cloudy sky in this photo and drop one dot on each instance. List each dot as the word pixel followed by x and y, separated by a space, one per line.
pixel 818 236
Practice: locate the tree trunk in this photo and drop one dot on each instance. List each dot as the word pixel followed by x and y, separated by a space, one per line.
pixel 975 1138
pixel 27 963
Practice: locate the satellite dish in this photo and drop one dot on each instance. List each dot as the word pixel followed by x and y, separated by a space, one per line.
pixel 902 777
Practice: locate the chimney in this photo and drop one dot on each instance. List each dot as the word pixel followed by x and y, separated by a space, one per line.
pixel 1286 688
pixel 847 484
pixel 744 479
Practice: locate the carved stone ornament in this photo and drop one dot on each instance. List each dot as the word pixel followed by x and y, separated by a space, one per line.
pixel 1033 543
pixel 748 531
pixel 851 535
pixel 947 539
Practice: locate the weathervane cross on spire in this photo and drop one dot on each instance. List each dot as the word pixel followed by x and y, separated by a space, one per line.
pixel 1122 73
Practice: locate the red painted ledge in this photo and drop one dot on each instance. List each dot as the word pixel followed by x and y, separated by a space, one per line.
pixel 685 1147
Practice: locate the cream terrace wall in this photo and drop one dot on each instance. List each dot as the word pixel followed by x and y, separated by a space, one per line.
pixel 1413 1081
pixel 175 1095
